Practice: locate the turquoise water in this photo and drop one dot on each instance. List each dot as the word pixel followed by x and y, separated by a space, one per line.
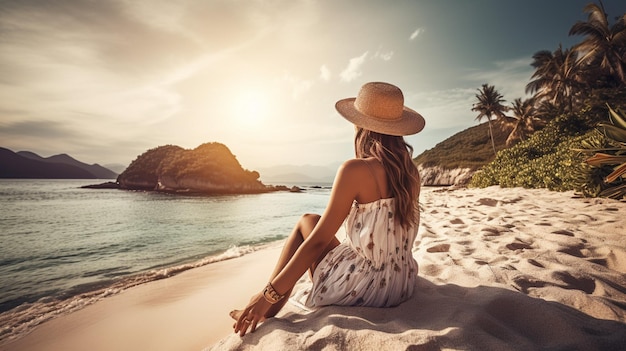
pixel 59 240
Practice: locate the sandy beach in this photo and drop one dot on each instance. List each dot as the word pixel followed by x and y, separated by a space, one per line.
pixel 500 269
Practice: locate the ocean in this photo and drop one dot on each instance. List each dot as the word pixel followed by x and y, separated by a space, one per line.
pixel 64 247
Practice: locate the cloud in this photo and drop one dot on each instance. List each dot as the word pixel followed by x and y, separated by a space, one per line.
pixel 353 70
pixel 324 73
pixel 298 86
pixel 385 56
pixel 416 33
pixel 450 108
pixel 28 135
pixel 509 77
pixel 31 128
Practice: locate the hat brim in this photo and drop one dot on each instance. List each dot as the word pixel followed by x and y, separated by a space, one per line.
pixel 409 123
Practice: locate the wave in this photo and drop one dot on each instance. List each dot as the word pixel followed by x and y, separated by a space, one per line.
pixel 24 318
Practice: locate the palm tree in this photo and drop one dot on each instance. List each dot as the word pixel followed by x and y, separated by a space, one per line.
pixel 489 104
pixel 545 110
pixel 556 78
pixel 602 46
pixel 523 122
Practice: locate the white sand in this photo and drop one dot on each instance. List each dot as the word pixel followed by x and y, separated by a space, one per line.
pixel 500 269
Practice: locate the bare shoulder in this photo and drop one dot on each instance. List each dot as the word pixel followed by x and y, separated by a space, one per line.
pixel 354 174
pixel 352 167
pixel 366 178
pixel 361 166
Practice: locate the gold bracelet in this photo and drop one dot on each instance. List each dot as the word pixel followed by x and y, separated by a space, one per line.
pixel 271 295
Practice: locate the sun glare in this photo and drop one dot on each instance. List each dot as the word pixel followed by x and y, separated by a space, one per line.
pixel 251 108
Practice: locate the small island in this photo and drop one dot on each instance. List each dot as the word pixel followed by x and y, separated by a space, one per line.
pixel 209 169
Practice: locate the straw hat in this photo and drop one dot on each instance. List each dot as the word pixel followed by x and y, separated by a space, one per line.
pixel 379 107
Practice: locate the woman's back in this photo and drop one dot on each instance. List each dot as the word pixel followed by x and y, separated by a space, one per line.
pixel 374 180
pixel 374 266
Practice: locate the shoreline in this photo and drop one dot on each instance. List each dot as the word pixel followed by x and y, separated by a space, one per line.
pixel 26 317
pixel 184 307
pixel 491 261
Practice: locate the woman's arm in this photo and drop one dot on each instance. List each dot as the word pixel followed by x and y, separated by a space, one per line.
pixel 345 190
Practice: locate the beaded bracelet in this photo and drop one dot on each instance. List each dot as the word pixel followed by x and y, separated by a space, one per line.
pixel 271 295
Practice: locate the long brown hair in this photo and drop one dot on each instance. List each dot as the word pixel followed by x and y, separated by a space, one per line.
pixel 402 176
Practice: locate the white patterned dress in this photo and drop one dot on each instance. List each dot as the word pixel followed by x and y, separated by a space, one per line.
pixel 374 266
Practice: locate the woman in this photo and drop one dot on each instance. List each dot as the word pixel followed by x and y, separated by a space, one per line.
pixel 376 195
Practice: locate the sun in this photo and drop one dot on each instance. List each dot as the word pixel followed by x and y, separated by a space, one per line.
pixel 251 107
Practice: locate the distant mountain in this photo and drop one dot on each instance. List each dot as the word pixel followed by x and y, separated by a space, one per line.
pixel 115 167
pixel 298 174
pixel 95 169
pixel 26 164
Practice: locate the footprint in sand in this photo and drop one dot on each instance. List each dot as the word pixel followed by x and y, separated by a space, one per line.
pixel 488 202
pixel 573 250
pixel 489 231
pixel 439 248
pixel 588 285
pixel 599 264
pixel 563 232
pixel 617 260
pixel 614 258
pixel 499 259
pixel 535 263
pixel 525 282
pixel 518 246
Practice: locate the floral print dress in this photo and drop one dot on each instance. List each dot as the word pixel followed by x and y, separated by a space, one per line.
pixel 374 266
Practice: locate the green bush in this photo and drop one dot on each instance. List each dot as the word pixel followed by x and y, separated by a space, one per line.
pixel 551 157
pixel 545 160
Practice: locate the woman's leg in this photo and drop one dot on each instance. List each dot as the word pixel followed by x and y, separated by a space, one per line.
pixel 300 232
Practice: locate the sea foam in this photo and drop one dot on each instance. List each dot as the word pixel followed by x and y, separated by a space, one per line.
pixel 22 319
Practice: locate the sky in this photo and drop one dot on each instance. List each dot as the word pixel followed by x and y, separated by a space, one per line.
pixel 106 80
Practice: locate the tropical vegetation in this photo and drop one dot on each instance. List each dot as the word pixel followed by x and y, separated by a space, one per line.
pixel 489 105
pixel 606 157
pixel 571 89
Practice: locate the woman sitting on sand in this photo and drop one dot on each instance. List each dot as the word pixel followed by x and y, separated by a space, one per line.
pixel 376 196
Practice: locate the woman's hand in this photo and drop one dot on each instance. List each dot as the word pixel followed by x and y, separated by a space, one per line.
pixel 253 314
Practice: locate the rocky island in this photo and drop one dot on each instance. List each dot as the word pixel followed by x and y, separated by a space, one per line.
pixel 208 169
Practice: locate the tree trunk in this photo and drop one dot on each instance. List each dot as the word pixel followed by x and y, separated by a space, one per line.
pixel 493 145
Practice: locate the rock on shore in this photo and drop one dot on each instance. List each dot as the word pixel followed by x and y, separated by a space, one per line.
pixel 438 176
